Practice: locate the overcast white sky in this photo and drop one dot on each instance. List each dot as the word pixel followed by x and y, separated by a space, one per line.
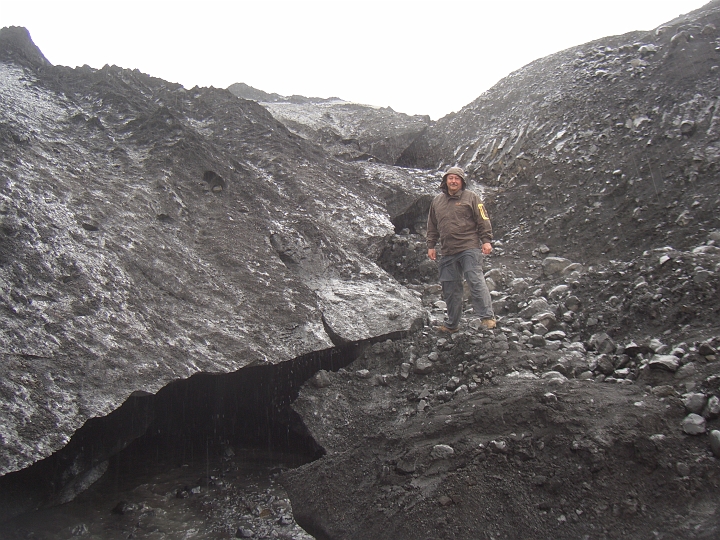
pixel 416 56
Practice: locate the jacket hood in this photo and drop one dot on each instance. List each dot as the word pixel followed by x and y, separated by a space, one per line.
pixel 453 170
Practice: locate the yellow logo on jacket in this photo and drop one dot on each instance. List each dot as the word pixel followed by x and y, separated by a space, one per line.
pixel 483 213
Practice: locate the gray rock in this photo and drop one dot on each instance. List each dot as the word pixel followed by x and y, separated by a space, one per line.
pixel 452 383
pixel 711 411
pixel 556 375
pixel 687 371
pixel 715 442
pixel 555 335
pixel 285 521
pixel 700 275
pixel 667 362
pixel 572 268
pixel 621 373
pixel 537 305
pixel 558 292
pixel 573 303
pixel 423 365
pixel 576 346
pixel 683 469
pixel 518 285
pixel 363 374
pixel 552 266
pixel 658 346
pixel 695 402
pixel 442 451
pixel 321 379
pixel 405 466
pixel 602 343
pixel 646 50
pixel 499 446
pixel 605 364
pixel 540 329
pixel 693 424
pixel 687 127
pixel 546 318
pixel 461 390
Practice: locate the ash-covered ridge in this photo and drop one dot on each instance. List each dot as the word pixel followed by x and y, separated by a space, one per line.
pixel 349 131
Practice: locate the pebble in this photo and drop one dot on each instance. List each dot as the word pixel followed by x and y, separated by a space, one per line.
pixel 667 362
pixel 499 446
pixel 554 265
pixel 461 390
pixel 553 375
pixel 442 451
pixel 423 365
pixel 602 343
pixel 712 408
pixel 683 469
pixel 453 383
pixel 321 379
pixel 605 365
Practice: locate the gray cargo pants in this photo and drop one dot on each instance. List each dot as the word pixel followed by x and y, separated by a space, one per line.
pixel 452 268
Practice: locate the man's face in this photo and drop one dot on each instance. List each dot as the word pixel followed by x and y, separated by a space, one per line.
pixel 454 183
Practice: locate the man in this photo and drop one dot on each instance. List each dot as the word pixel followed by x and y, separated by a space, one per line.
pixel 458 219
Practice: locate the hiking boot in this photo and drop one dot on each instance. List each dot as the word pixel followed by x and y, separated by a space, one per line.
pixel 488 323
pixel 445 330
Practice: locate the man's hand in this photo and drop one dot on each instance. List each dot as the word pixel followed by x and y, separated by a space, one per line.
pixel 432 254
pixel 486 248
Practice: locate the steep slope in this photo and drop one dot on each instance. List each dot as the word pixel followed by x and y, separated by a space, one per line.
pixel 149 233
pixel 349 131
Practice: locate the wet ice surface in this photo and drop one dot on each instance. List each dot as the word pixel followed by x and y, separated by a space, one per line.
pixel 236 496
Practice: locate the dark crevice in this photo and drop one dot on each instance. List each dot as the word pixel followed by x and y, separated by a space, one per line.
pixel 184 423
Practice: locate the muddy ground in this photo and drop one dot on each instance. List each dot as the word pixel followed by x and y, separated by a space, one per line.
pixel 524 452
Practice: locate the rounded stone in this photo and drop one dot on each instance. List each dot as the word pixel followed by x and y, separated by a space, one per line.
pixel 693 424
pixel 441 451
